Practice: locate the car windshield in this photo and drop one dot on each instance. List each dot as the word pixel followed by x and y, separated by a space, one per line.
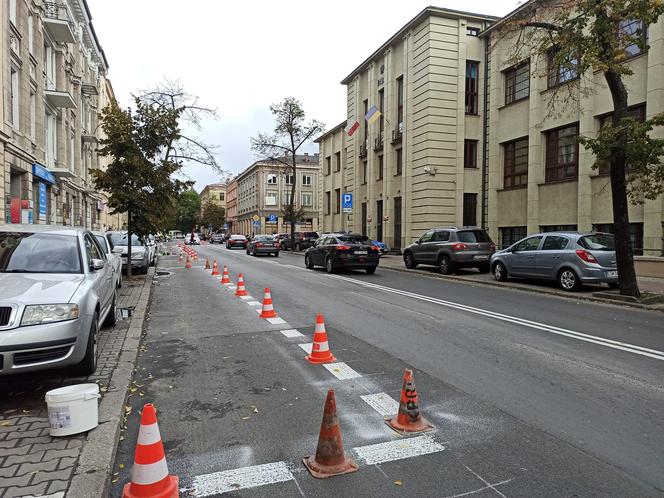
pixel 120 239
pixel 264 238
pixel 598 242
pixel 237 237
pixel 473 236
pixel 354 239
pixel 39 253
pixel 102 242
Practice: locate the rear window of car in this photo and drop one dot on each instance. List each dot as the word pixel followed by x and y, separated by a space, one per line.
pixel 264 238
pixel 311 234
pixel 598 242
pixel 237 237
pixel 355 239
pixel 39 253
pixel 473 236
pixel 120 239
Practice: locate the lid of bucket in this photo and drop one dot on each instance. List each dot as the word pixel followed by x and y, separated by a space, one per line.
pixel 71 393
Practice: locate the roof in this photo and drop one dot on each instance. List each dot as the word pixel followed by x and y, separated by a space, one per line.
pixel 427 12
pixel 300 159
pixel 55 229
pixel 330 132
pixel 514 13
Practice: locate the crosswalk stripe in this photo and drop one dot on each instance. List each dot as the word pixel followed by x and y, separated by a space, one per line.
pixel 383 403
pixel 291 333
pixel 242 478
pixel 397 450
pixel 341 371
pixel 307 347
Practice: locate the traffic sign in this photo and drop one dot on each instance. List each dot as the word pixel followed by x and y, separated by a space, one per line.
pixel 347 203
pixel 272 218
pixel 257 224
pixel 225 226
pixel 256 217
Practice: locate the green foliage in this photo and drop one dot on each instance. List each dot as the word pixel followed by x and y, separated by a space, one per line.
pixel 213 214
pixel 188 206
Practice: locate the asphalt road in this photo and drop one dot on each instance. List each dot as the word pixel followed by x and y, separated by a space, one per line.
pixel 530 394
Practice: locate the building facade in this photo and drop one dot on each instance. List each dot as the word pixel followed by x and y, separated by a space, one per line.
pixel 335 176
pixel 54 82
pixel 215 193
pixel 265 187
pixel 231 206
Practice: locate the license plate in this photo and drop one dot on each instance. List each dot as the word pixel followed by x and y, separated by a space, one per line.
pixel 481 257
pixel 361 252
pixel 612 274
pixel 268 245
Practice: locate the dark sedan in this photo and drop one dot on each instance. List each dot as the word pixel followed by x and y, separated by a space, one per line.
pixel 236 241
pixel 262 244
pixel 343 250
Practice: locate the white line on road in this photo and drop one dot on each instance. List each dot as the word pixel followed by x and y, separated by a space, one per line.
pixel 306 347
pixel 291 333
pixel 609 343
pixel 397 450
pixel 383 403
pixel 254 303
pixel 276 321
pixel 341 371
pixel 243 478
pixel 247 298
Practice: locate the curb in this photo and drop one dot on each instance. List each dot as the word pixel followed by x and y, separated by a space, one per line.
pixel 93 473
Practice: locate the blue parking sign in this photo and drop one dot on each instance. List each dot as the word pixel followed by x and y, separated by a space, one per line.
pixel 347 203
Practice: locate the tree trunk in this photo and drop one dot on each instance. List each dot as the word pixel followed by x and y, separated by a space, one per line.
pixel 292 204
pixel 129 243
pixel 624 256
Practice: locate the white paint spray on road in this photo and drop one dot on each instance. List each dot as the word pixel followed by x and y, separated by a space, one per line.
pixel 291 333
pixel 383 403
pixel 341 371
pixel 397 450
pixel 243 478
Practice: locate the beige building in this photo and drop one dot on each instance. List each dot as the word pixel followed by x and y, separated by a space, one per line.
pixel 216 193
pixel 231 205
pixel 334 180
pixel 53 84
pixel 265 186
pixel 539 177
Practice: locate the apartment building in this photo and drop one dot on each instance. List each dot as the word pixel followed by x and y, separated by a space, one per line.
pixel 420 164
pixel 335 176
pixel 215 193
pixel 231 206
pixel 540 179
pixel 265 187
pixel 54 82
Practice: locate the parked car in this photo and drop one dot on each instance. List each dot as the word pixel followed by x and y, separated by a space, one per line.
pixel 188 240
pixel 381 245
pixel 217 238
pixel 570 258
pixel 56 290
pixel 343 250
pixel 303 240
pixel 262 244
pixel 450 248
pixel 236 241
pixel 139 252
pixel 114 259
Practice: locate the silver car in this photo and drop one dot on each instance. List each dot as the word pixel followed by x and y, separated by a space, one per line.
pixel 56 289
pixel 570 258
pixel 113 258
pixel 140 253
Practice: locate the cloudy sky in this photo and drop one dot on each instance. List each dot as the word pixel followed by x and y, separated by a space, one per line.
pixel 241 56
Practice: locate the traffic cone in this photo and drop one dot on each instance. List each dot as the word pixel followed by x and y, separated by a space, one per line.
pixel 207 263
pixel 409 418
pixel 181 256
pixel 320 349
pixel 330 459
pixel 268 310
pixel 188 263
pixel 241 291
pixel 225 279
pixel 195 256
pixel 215 268
pixel 149 476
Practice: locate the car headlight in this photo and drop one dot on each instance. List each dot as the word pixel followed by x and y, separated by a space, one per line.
pixel 49 313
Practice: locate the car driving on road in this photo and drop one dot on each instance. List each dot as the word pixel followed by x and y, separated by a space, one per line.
pixel 236 241
pixel 56 290
pixel 140 255
pixel 570 258
pixel 189 241
pixel 262 244
pixel 217 238
pixel 346 250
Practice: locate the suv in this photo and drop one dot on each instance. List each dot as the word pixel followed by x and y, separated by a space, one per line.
pixel 303 240
pixel 450 248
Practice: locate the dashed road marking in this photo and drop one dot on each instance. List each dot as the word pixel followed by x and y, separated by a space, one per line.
pixel 383 403
pixel 247 298
pixel 307 347
pixel 242 478
pixel 341 371
pixel 291 333
pixel 276 321
pixel 397 450
pixel 254 303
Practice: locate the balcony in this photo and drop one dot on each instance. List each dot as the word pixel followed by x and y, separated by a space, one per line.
pixel 87 138
pixel 56 98
pixel 397 134
pixel 89 89
pixel 58 22
pixel 363 150
pixel 378 142
pixel 61 170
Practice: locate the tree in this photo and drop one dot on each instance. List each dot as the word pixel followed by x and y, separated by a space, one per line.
pixel 188 207
pixel 213 214
pixel 291 132
pixel 578 38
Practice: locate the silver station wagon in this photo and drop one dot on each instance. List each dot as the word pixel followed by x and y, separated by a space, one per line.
pixel 570 258
pixel 56 289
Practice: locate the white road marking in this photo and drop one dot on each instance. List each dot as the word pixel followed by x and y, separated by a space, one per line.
pixel 383 403
pixel 276 321
pixel 247 298
pixel 397 450
pixel 341 371
pixel 489 485
pixel 242 478
pixel 254 303
pixel 479 490
pixel 609 343
pixel 232 288
pixel 291 333
pixel 307 347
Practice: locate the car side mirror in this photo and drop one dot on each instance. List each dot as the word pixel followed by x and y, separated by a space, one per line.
pixel 97 264
pixel 117 250
pixel 418 242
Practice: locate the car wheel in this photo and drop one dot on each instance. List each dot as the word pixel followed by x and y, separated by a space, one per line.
pixel 112 317
pixel 483 268
pixel 329 266
pixel 614 285
pixel 298 247
pixel 409 261
pixel 370 270
pixel 568 281
pixel 500 272
pixel 445 265
pixel 308 263
pixel 89 363
pixel 276 254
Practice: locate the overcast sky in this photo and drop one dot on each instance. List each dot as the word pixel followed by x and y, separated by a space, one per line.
pixel 242 56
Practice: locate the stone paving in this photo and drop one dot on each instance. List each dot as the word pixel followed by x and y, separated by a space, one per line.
pixel 32 463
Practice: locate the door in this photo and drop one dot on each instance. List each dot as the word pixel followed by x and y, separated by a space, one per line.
pixel 522 261
pixel 550 256
pixel 103 279
pixel 422 250
pixel 396 243
pixel 379 221
pixel 317 250
pixel 364 218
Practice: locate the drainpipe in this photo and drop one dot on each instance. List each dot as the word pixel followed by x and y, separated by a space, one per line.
pixel 485 133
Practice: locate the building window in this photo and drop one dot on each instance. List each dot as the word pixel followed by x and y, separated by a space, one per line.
pixel 328 162
pixel 31 37
pixel 561 69
pixel 365 107
pixel 222 196
pixel 381 106
pixel 399 159
pixel 271 179
pixel 510 235
pixel 14 98
pixel 271 199
pixel 469 210
pixel 327 202
pixel 515 172
pixel 400 103
pixel 33 115
pixel 49 66
pixel 72 157
pixel 306 180
pixel 517 82
pixel 364 218
pixel 472 87
pixel 635 235
pixel 631 33
pixel 558 228
pixel 50 139
pixel 12 11
pixel 562 154
pixel 337 200
pixel 364 172
pixel 472 31
pixel 470 153
pixel 337 161
pixel 380 168
pixel 289 179
pixel 638 112
pixel 306 199
pixel 288 197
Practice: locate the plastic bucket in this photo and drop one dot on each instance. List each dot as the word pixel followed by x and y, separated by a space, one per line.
pixel 73 409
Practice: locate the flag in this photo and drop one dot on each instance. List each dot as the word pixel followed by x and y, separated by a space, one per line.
pixel 352 128
pixel 372 115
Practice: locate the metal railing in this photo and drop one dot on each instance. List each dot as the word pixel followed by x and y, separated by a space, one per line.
pixel 59 11
pixel 378 142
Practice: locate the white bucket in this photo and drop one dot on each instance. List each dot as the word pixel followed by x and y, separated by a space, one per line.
pixel 73 409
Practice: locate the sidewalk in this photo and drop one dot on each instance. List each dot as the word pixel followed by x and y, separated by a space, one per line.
pixel 32 463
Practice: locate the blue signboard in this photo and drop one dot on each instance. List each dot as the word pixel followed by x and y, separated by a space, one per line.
pixel 225 226
pixel 42 173
pixel 257 224
pixel 43 201
pixel 347 203
pixel 272 218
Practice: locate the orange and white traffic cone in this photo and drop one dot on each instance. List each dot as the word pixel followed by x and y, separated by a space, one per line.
pixel 188 263
pixel 225 279
pixel 195 256
pixel 215 268
pixel 409 418
pixel 268 310
pixel 207 263
pixel 320 349
pixel 241 291
pixel 329 459
pixel 149 476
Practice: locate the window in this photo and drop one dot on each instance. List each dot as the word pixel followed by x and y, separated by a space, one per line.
pixel 441 236
pixel 337 161
pixel 472 31
pixel 364 218
pixel 327 202
pixel 49 66
pixel 14 98
pixel 554 243
pixel 33 115
pixel 635 235
pixel 515 163
pixel 427 237
pixel 222 196
pixel 306 199
pixel 400 103
pixel 306 180
pixel 469 210
pixel 271 199
pixel 51 140
pixel 399 159
pixel 337 200
pixel 510 235
pixel 271 179
pixel 561 68
pixel 92 250
pixel 472 86
pixel 289 179
pixel 530 244
pixel 562 154
pixel 380 168
pixel 328 161
pixel 31 39
pixel 365 106
pixel 287 198
pixel 364 172
pixel 558 228
pixel 12 11
pixel 631 33
pixel 381 105
pixel 638 112
pixel 470 153
pixel 517 82
pixel 72 158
